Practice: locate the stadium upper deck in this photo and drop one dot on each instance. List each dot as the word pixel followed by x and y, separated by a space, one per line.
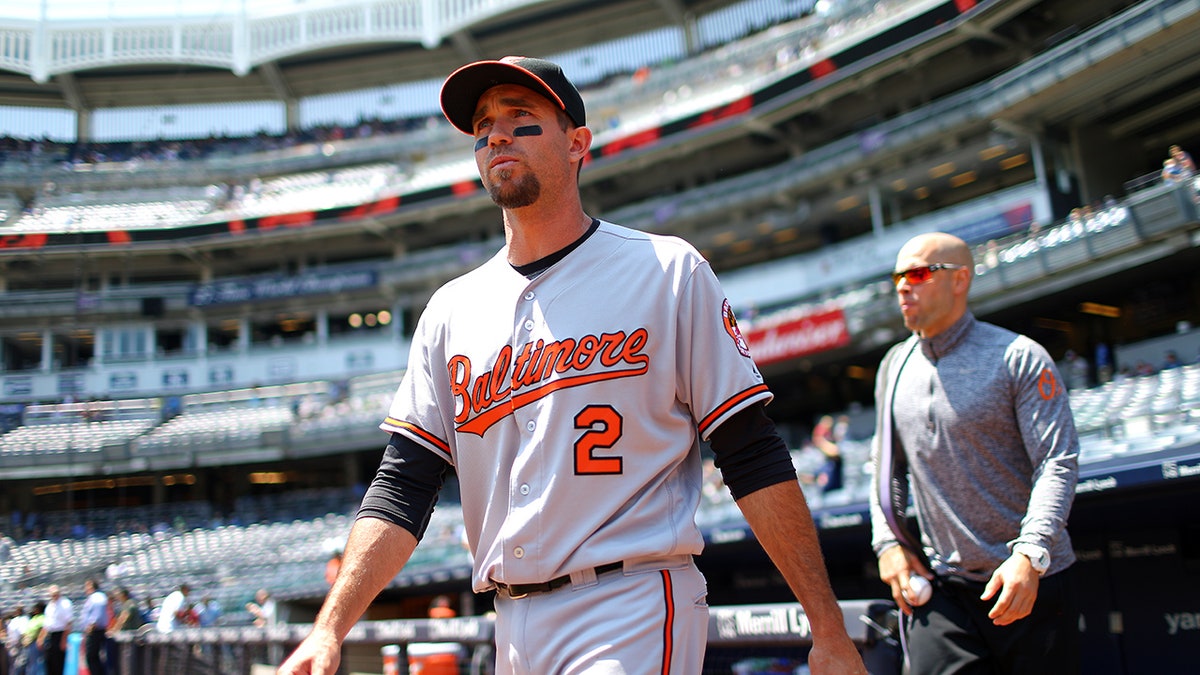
pixel 124 54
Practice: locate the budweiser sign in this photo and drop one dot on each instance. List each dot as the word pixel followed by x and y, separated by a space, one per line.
pixel 789 336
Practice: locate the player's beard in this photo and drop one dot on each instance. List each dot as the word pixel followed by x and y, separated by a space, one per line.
pixel 510 193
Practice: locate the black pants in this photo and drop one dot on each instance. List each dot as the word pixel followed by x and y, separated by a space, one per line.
pixel 94 646
pixel 952 634
pixel 55 656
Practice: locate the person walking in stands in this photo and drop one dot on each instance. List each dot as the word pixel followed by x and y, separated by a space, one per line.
pixel 94 619
pixel 55 630
pixel 173 612
pixel 575 427
pixel 979 420
pixel 126 616
pixel 263 608
pixel 34 639
pixel 14 631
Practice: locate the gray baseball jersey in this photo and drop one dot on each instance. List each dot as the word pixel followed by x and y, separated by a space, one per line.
pixel 572 404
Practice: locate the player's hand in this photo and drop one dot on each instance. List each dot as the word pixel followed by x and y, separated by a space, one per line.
pixel 835 657
pixel 895 566
pixel 319 654
pixel 1017 583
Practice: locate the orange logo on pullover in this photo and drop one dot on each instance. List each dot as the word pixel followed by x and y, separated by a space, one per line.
pixel 513 383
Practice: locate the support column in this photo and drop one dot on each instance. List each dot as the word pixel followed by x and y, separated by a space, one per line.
pixel 199 331
pixel 322 321
pixel 397 326
pixel 291 112
pixel 876 200
pixel 1039 163
pixel 47 351
pixel 83 124
pixel 100 335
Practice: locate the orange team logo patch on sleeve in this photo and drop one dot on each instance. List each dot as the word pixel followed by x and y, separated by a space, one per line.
pixel 731 327
pixel 1048 385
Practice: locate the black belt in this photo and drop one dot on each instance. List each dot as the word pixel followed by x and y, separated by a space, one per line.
pixel 516 591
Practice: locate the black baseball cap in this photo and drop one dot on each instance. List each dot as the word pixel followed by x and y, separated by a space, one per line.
pixel 461 91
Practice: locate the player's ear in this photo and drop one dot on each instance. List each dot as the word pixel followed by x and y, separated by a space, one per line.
pixel 581 142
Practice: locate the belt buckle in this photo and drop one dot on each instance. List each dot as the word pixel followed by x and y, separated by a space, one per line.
pixel 508 589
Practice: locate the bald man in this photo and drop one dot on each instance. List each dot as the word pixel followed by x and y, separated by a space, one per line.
pixel 977 420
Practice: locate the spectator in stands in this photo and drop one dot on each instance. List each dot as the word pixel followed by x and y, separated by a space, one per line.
pixel 53 639
pixel 173 612
pixel 1171 360
pixel 333 566
pixel 1183 160
pixel 439 608
pixel 94 622
pixel 530 142
pixel 1172 173
pixel 263 609
pixel 33 641
pixel 1075 370
pixel 208 610
pixel 991 255
pixel 126 615
pixel 14 629
pixel 1075 220
pixel 825 438
pixel 1104 364
pixel 977 418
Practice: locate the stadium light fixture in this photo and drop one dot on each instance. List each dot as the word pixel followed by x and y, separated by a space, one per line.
pixel 992 152
pixel 847 203
pixel 1097 309
pixel 943 169
pixel 964 178
pixel 1014 161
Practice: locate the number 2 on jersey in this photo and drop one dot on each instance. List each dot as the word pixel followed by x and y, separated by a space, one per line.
pixel 603 430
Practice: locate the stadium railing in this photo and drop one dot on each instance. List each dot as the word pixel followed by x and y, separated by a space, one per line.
pixel 742 634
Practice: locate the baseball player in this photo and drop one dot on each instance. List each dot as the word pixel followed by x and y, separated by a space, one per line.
pixel 569 381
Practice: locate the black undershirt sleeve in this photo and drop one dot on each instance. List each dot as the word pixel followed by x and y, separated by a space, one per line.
pixel 405 488
pixel 750 453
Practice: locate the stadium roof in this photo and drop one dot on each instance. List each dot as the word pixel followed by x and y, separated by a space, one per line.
pixel 275 50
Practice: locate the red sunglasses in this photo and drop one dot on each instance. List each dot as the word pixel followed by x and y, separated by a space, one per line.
pixel 922 274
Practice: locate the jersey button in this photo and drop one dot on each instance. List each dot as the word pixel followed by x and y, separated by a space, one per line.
pixel 524 489
pixel 530 425
pixel 528 324
pixel 518 552
pixel 529 295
